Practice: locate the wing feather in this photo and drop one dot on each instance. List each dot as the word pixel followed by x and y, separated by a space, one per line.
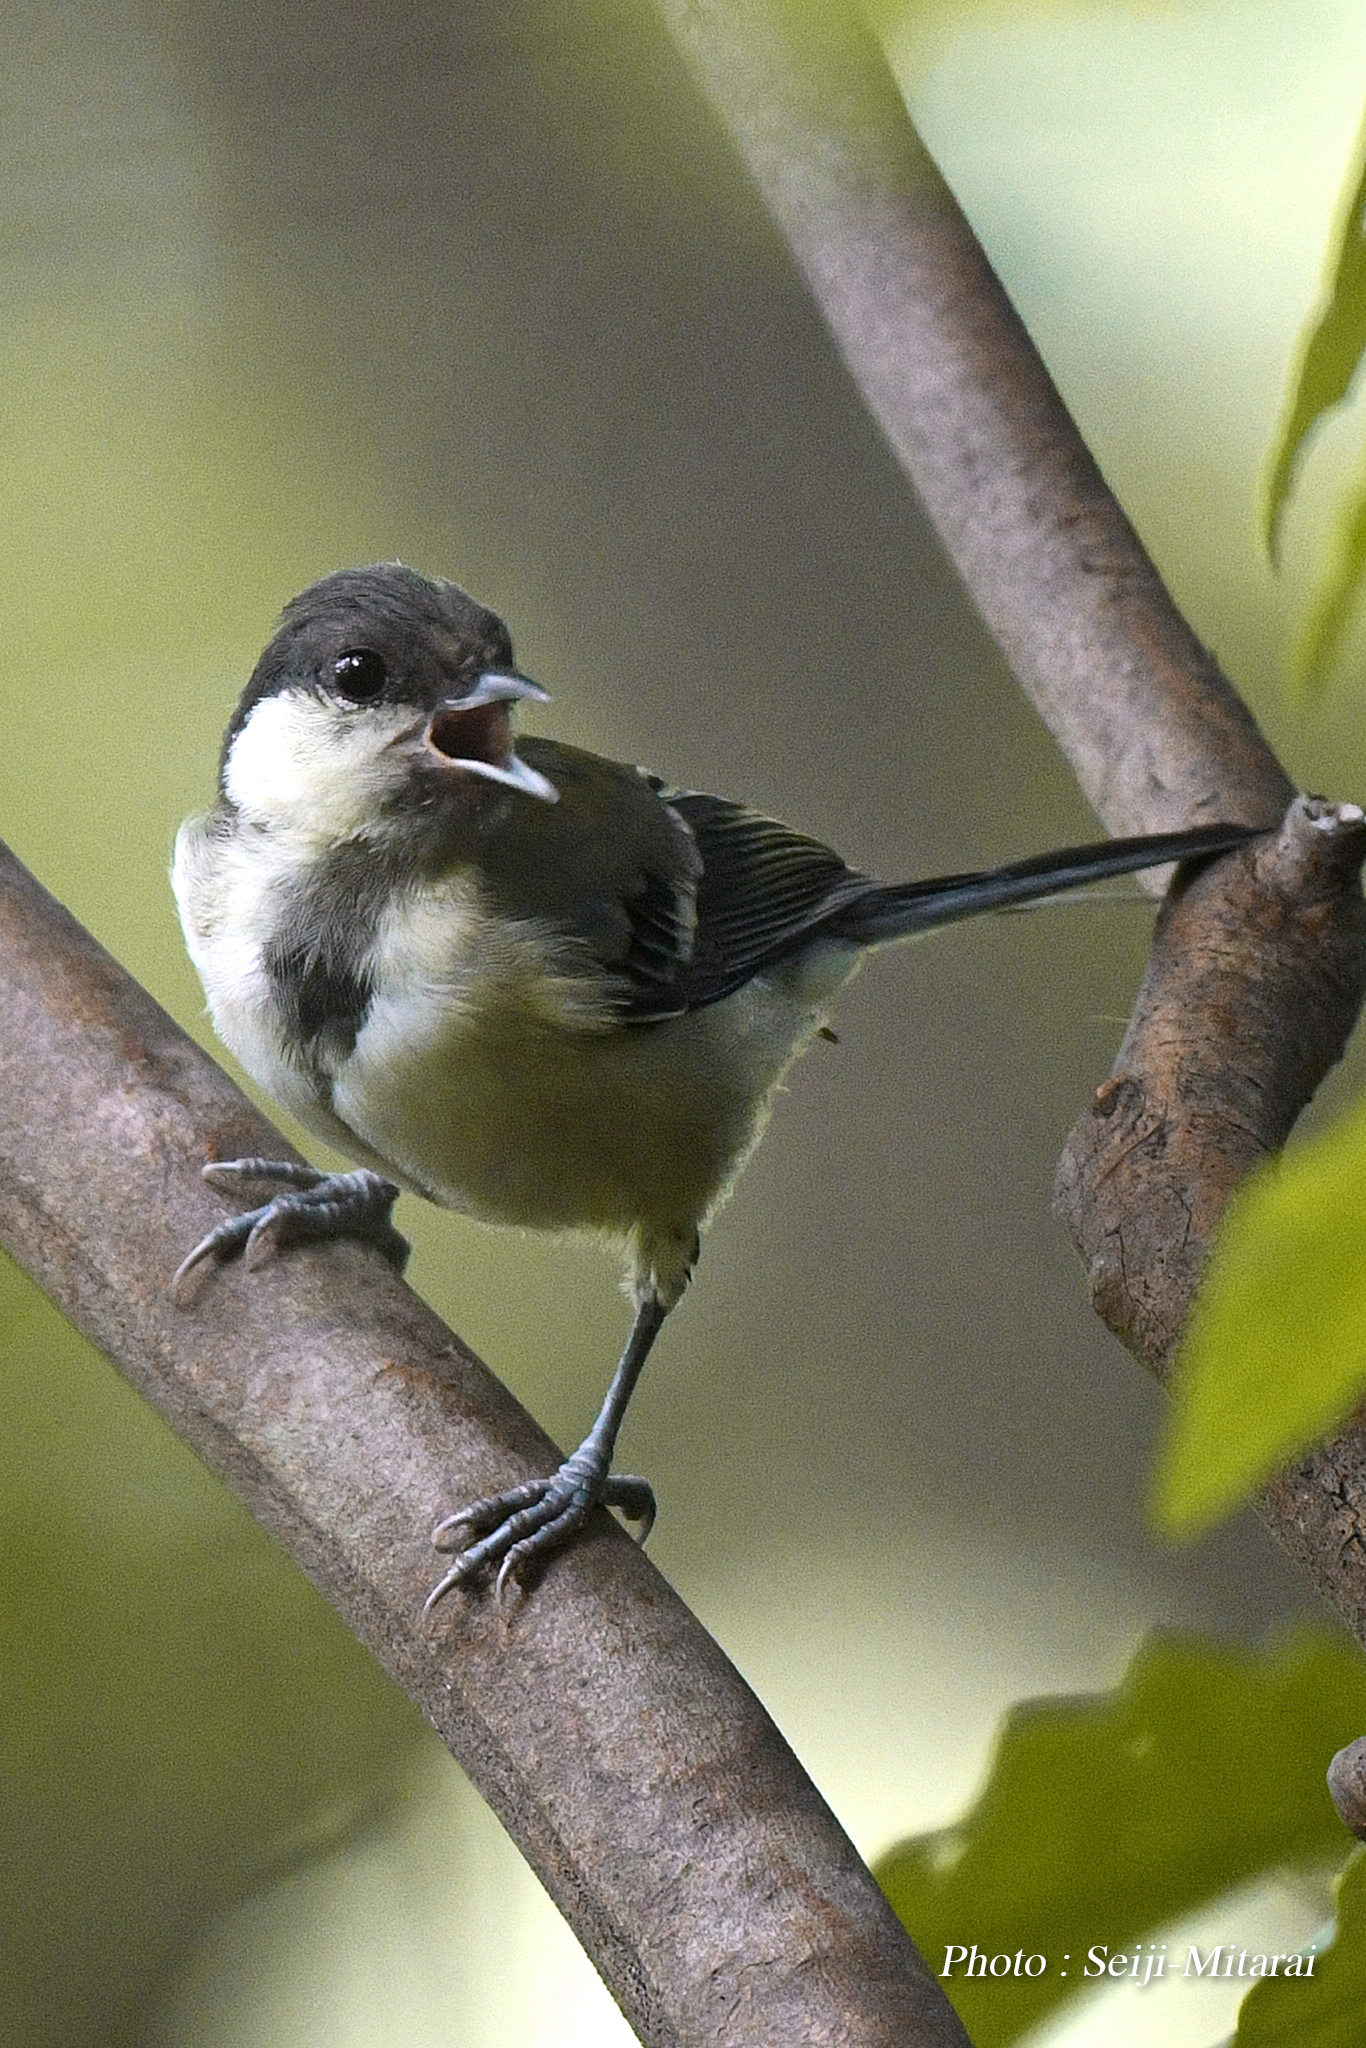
pixel 763 890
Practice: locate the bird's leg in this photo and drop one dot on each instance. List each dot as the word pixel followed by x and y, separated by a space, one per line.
pixel 531 1521
pixel 315 1205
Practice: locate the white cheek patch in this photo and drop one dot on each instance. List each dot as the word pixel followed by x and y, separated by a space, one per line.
pixel 306 765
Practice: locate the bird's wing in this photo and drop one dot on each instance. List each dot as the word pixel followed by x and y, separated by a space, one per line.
pixel 613 867
pixel 676 898
pixel 764 890
pixel 661 918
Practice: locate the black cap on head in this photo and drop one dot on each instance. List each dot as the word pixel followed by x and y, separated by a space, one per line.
pixel 433 638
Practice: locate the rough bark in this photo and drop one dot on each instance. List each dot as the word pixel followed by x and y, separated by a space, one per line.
pixel 1260 969
pixel 661 1808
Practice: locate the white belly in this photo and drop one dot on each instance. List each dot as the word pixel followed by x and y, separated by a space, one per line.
pixel 490 1073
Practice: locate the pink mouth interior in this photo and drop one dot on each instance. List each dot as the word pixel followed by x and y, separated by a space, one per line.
pixel 483 733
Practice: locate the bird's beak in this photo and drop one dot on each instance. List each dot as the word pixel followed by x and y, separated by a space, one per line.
pixel 474 732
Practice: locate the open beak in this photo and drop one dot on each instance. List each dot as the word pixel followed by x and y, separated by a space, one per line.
pixel 474 732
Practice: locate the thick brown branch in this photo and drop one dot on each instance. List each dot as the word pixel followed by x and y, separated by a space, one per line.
pixel 1347 1783
pixel 1260 968
pixel 1156 735
pixel 1251 990
pixel 657 1802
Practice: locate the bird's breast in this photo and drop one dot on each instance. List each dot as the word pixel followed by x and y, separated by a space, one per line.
pixel 478 1058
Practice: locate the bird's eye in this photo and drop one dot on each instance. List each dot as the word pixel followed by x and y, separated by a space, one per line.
pixel 360 674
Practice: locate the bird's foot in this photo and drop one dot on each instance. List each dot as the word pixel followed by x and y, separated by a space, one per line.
pixel 514 1529
pixel 315 1205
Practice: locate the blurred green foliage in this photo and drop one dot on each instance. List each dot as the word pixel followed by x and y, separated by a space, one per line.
pixel 1275 1353
pixel 1107 1818
pixel 1325 2010
pixel 1330 357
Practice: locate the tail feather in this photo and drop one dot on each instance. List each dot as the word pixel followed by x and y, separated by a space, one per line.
pixel 895 910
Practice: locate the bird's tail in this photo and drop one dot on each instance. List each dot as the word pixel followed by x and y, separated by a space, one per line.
pixel 895 910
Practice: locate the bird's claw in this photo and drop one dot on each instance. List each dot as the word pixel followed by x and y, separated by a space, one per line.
pixel 530 1522
pixel 313 1205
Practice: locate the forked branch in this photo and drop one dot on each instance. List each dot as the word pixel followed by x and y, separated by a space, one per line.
pixel 1259 971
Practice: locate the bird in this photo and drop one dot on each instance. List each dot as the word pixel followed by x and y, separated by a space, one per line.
pixel 529 983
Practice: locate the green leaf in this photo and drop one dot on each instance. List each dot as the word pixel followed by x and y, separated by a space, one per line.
pixel 1106 1817
pixel 1331 610
pixel 1326 2010
pixel 1275 1355
pixel 1331 351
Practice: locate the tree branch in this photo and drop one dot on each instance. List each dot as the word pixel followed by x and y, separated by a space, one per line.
pixel 1267 953
pixel 1157 737
pixel 653 1796
pixel 1259 968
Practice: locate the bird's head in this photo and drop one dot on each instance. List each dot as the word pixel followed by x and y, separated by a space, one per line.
pixel 383 695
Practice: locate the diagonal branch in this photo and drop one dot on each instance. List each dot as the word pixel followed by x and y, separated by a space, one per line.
pixel 1258 972
pixel 1155 733
pixel 653 1796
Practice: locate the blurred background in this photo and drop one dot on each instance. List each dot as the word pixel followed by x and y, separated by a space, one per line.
pixel 483 287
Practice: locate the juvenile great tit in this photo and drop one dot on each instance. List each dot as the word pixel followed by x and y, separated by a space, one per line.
pixel 531 984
